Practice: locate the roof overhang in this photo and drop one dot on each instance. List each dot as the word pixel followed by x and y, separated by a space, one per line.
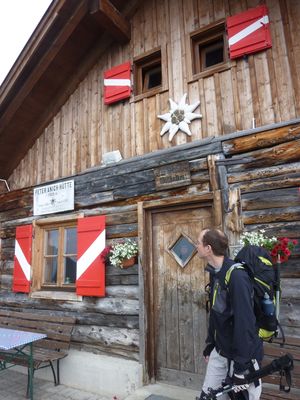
pixel 64 46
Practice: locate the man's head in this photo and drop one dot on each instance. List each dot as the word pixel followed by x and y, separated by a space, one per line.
pixel 212 242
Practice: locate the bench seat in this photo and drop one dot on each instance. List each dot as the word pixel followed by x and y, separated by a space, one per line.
pixel 47 351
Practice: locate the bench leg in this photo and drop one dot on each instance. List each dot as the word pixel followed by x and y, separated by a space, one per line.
pixel 57 372
pixel 53 372
pixel 56 376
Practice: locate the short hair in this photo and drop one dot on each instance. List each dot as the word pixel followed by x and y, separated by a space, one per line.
pixel 217 240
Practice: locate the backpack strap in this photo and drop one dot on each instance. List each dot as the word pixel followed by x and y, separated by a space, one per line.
pixel 230 270
pixel 265 261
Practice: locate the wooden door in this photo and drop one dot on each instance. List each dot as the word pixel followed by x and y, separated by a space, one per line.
pixel 180 319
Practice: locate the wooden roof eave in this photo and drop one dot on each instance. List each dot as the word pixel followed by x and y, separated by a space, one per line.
pixel 55 10
pixel 102 11
pixel 107 15
pixel 58 28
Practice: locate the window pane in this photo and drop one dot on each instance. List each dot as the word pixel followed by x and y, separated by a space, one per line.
pixel 50 271
pixel 51 247
pixel 183 249
pixel 70 241
pixel 70 269
pixel 214 55
pixel 152 77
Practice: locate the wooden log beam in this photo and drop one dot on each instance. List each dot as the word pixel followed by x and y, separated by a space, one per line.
pixel 270 199
pixel 260 173
pixel 261 140
pixel 290 229
pixel 272 215
pixel 293 180
pixel 105 13
pixel 106 335
pixel 282 153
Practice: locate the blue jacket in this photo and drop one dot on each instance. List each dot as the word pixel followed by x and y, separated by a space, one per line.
pixel 232 323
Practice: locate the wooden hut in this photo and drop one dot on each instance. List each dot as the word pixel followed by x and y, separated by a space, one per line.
pixel 88 87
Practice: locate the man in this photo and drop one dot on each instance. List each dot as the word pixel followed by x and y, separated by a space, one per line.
pixel 233 347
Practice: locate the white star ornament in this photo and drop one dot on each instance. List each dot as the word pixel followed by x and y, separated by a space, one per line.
pixel 178 118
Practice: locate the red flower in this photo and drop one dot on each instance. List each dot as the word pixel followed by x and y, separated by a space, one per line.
pixel 105 253
pixel 283 248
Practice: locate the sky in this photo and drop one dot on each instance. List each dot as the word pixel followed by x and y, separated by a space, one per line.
pixel 18 19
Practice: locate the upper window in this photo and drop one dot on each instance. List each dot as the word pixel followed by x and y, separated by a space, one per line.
pixel 148 73
pixel 56 245
pixel 209 48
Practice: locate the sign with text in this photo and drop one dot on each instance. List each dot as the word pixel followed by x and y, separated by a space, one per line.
pixel 172 175
pixel 53 198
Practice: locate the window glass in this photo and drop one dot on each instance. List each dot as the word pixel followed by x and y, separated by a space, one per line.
pixel 148 73
pixel 70 241
pixel 60 257
pixel 70 269
pixel 70 257
pixel 214 54
pixel 52 242
pixel 50 271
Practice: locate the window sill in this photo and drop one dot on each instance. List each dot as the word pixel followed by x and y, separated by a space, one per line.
pixel 150 93
pixel 211 71
pixel 55 295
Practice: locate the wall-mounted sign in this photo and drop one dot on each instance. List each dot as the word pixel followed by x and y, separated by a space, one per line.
pixel 173 175
pixel 53 198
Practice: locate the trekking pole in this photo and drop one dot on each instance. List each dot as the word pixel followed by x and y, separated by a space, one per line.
pixel 284 365
pixel 278 287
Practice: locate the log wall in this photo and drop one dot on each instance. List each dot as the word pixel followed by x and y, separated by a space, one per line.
pixel 266 170
pixel 263 86
pixel 259 179
pixel 107 325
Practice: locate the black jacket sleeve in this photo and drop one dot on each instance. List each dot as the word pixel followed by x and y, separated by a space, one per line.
pixel 244 320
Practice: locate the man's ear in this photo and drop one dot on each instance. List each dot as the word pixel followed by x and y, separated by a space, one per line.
pixel 209 248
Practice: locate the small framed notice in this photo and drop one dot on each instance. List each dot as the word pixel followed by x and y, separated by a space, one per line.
pixel 53 198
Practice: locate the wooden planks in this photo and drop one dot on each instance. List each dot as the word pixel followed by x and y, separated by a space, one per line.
pixel 264 87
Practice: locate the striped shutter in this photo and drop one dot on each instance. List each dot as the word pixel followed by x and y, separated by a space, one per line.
pixel 248 32
pixel 117 84
pixel 90 271
pixel 22 259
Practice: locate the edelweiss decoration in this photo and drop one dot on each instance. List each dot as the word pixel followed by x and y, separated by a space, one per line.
pixel 179 116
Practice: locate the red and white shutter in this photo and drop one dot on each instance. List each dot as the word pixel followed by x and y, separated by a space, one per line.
pixel 117 85
pixel 22 259
pixel 248 32
pixel 90 271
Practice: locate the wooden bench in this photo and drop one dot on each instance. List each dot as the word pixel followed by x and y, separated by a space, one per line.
pixel 46 351
pixel 271 383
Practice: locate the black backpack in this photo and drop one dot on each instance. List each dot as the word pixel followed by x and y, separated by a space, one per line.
pixel 257 262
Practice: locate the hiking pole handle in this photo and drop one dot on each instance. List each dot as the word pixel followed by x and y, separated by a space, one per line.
pixel 283 363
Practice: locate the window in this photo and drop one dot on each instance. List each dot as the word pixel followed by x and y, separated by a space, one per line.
pixel 60 256
pixel 209 48
pixel 183 250
pixel 55 243
pixel 148 73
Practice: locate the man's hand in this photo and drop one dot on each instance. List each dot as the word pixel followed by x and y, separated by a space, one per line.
pixel 206 352
pixel 239 382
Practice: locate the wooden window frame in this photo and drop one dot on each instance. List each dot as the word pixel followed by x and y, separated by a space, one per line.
pixel 205 37
pixel 145 61
pixel 40 228
pixel 142 68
